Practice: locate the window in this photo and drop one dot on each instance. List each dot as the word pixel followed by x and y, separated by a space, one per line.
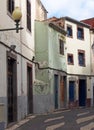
pixel 61 47
pixel 81 57
pixel 69 31
pixel 28 15
pixel 10 5
pixel 80 33
pixel 70 59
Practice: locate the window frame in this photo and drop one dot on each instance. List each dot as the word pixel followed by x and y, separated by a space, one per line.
pixel 28 14
pixel 79 35
pixel 70 34
pixel 81 60
pixel 10 6
pixel 71 55
pixel 61 47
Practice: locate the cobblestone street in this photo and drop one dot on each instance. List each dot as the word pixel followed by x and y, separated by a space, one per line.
pixel 74 119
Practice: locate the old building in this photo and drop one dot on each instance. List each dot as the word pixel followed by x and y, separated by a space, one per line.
pixel 17 71
pixel 90 22
pixel 41 67
pixel 50 89
pixel 78 60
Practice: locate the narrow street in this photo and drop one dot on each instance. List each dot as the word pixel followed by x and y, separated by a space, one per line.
pixel 75 119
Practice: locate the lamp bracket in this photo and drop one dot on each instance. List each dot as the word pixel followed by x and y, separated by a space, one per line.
pixel 8 29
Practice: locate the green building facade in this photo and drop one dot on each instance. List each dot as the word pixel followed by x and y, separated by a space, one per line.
pixel 50 54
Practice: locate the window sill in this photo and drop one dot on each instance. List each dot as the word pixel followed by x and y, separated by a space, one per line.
pixel 82 65
pixel 70 36
pixel 80 39
pixel 70 64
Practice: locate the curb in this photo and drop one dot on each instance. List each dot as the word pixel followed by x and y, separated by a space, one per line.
pixel 22 122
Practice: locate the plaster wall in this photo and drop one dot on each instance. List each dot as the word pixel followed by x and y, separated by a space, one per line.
pixel 47 54
pixel 41 12
pixel 73 45
pixel 24 41
pixel 3 72
pixel 41 38
pixel 24 37
pixel 56 60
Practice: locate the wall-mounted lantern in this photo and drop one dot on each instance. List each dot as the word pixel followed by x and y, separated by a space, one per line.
pixel 16 15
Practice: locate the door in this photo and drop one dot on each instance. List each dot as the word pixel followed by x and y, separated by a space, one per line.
pixel 71 91
pixel 29 89
pixel 62 91
pixel 12 91
pixel 93 95
pixel 56 90
pixel 82 92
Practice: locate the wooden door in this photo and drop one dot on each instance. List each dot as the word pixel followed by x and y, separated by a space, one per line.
pixel 29 89
pixel 62 89
pixel 56 90
pixel 82 92
pixel 12 91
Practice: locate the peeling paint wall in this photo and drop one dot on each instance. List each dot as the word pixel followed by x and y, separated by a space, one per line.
pixel 47 54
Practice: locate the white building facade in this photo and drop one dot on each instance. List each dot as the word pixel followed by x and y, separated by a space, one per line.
pixel 78 61
pixel 90 22
pixel 17 71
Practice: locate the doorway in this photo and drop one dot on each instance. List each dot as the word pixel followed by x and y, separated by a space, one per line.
pixel 29 89
pixel 62 91
pixel 56 90
pixel 71 91
pixel 82 92
pixel 12 90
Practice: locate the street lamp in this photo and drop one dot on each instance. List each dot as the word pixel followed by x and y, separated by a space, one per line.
pixel 16 15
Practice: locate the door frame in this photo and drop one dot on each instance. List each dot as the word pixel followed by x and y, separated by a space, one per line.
pixel 82 92
pixel 62 91
pixel 13 58
pixel 29 89
pixel 56 84
pixel 72 91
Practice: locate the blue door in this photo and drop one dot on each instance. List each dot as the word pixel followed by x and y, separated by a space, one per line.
pixel 82 92
pixel 71 91
pixel 56 90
